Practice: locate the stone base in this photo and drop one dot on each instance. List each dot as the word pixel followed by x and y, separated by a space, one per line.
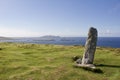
pixel 86 65
pixel 89 67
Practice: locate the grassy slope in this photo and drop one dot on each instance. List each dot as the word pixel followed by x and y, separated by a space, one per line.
pixel 53 62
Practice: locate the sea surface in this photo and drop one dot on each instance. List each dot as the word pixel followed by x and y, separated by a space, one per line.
pixel 113 42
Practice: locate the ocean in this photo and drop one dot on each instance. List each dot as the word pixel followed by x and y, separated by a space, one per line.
pixel 113 42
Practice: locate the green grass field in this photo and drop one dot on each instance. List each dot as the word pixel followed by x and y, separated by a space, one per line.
pixel 19 61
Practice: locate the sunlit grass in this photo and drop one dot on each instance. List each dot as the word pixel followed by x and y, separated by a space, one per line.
pixel 19 61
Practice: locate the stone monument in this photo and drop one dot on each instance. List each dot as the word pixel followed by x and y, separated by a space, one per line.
pixel 90 48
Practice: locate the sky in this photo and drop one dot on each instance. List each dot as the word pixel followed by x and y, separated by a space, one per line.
pixel 72 18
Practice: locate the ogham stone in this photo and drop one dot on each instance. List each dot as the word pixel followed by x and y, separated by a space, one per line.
pixel 88 56
pixel 90 47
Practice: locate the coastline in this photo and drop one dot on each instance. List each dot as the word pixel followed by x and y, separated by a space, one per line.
pixel 102 41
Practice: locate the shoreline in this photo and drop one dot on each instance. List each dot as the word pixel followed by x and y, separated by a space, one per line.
pixel 59 45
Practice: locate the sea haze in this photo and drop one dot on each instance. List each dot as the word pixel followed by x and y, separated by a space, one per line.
pixel 102 41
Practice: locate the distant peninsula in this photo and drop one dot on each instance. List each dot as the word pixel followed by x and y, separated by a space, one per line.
pixel 50 36
pixel 5 38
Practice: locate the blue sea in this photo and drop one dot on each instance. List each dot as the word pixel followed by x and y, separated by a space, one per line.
pixel 113 42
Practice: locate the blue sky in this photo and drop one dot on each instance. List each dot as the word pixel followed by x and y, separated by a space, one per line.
pixel 34 18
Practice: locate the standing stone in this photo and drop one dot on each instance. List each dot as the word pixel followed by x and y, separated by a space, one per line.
pixel 90 47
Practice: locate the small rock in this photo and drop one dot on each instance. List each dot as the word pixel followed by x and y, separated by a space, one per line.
pixel 75 58
pixel 79 61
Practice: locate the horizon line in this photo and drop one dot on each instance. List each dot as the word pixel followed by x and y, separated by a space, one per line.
pixel 51 36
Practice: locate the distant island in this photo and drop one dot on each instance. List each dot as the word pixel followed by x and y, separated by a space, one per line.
pixel 55 38
pixel 41 38
pixel 50 36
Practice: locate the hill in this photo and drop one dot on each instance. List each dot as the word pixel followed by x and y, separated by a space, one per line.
pixel 4 38
pixel 20 61
pixel 50 36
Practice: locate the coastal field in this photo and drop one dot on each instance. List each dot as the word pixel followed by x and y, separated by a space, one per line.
pixel 19 61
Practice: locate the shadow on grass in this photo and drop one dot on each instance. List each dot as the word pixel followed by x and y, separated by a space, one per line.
pixel 106 65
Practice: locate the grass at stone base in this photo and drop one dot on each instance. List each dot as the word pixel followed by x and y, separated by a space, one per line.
pixel 19 61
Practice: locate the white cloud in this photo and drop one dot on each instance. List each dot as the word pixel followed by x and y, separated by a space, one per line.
pixel 108 31
pixel 115 9
pixel 11 32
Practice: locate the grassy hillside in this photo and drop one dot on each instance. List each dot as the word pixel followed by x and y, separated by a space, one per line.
pixel 54 62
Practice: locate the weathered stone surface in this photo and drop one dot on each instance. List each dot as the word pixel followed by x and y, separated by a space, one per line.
pixel 85 65
pixel 90 47
pixel 88 56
